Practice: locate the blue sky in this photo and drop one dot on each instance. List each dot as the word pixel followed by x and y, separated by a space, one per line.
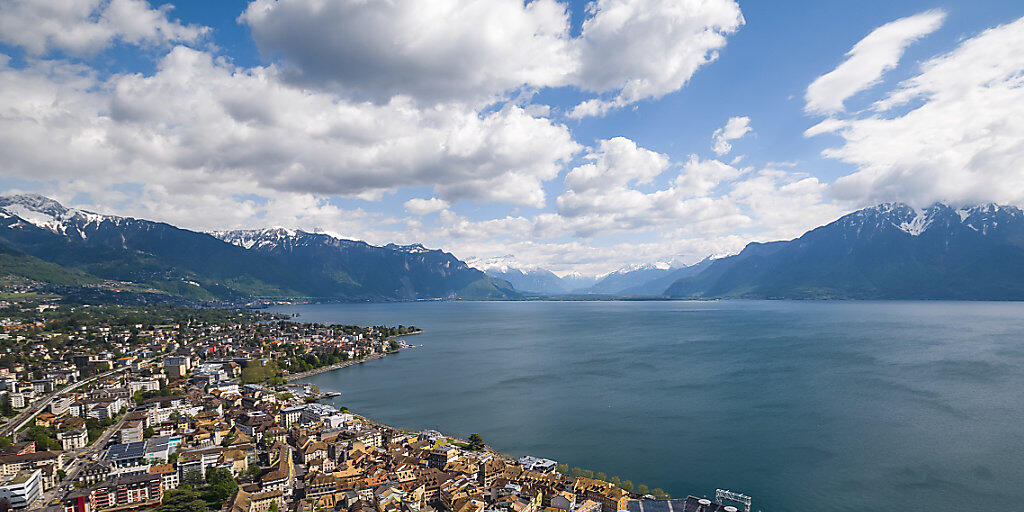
pixel 461 124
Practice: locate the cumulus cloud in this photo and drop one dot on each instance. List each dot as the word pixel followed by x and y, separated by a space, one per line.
pixel 644 49
pixel 477 50
pixel 735 128
pixel 702 198
pixel 85 27
pixel 444 50
pixel 200 120
pixel 418 206
pixel 877 53
pixel 962 142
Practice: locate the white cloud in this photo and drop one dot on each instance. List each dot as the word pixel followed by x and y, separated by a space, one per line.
pixel 85 27
pixel 418 206
pixel 962 142
pixel 441 50
pixel 645 49
pixel 877 53
pixel 199 120
pixel 735 128
pixel 479 50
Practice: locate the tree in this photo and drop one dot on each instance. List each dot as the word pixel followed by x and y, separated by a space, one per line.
pixel 5 441
pixel 627 485
pixel 220 486
pixel 616 481
pixel 642 489
pixel 273 506
pixel 562 468
pixel 476 442
pixel 150 432
pixel 588 473
pixel 5 406
pixel 182 500
pixel 61 475
pixel 193 478
pixel 601 476
pixel 660 493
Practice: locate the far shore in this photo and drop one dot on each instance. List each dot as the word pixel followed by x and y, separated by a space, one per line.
pixel 302 375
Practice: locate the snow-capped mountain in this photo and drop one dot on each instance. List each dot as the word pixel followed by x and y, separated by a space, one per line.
pixel 629 276
pixel 526 278
pixel 401 271
pixel 887 251
pixel 50 215
pixel 575 282
pixel 235 264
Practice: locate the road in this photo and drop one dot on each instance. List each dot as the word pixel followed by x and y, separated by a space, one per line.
pixel 80 458
pixel 34 409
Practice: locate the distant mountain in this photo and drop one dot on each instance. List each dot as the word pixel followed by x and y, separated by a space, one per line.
pixel 890 251
pixel 629 277
pixel 358 269
pixel 264 263
pixel 658 284
pixel 523 278
pixel 575 282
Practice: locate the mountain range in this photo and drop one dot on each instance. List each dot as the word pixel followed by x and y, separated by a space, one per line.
pixel 43 240
pixel 889 251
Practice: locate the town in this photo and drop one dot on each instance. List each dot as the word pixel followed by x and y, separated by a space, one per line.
pixel 119 408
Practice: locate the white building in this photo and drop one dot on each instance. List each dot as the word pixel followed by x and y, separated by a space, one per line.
pixel 144 385
pixel 22 488
pixel 18 400
pixel 60 405
pixel 73 439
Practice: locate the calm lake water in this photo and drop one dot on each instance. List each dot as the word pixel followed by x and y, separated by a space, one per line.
pixel 806 406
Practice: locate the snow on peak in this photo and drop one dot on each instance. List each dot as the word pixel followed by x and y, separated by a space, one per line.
pixel 658 265
pixel 921 221
pixel 411 248
pixel 48 214
pixel 249 238
pixel 501 264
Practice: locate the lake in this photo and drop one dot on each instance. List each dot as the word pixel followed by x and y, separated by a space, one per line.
pixel 804 405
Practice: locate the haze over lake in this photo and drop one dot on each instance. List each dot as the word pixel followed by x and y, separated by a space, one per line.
pixel 823 406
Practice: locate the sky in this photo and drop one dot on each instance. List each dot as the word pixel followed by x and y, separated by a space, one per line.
pixel 572 136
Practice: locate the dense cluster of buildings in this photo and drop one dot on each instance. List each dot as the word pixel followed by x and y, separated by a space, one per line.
pixel 161 406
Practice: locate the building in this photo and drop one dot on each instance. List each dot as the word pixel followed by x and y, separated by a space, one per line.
pixel 60 405
pixel 94 472
pixel 141 490
pixel 19 400
pixel 168 474
pixel 440 457
pixel 124 455
pixel 144 385
pixel 291 415
pixel 176 367
pixel 22 488
pixel 131 432
pixel 73 439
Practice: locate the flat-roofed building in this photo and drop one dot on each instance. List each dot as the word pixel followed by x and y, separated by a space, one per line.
pixel 22 488
pixel 73 439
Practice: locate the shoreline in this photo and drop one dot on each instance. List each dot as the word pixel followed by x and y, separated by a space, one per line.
pixel 303 375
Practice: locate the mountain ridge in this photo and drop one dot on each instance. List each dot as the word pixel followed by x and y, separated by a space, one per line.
pixel 203 267
pixel 888 251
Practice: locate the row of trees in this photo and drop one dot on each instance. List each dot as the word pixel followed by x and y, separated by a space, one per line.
pixel 198 494
pixel 255 373
pixel 625 485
